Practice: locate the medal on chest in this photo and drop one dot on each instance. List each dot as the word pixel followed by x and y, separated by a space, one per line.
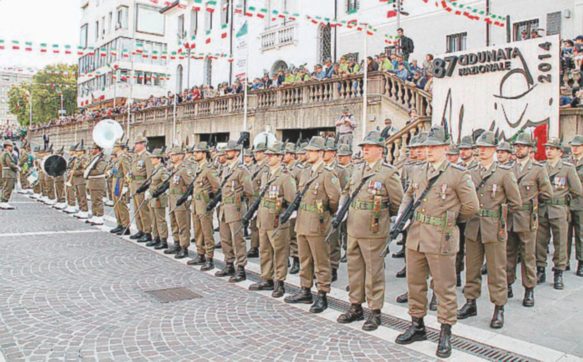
pixel 443 191
pixel 560 182
pixel 494 189
pixel 176 179
pixel 141 164
pixel 273 191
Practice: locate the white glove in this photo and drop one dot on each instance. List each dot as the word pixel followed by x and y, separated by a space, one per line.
pixel 189 198
pixel 68 184
pixel 148 195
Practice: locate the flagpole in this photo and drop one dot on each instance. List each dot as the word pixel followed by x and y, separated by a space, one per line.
pixel 364 81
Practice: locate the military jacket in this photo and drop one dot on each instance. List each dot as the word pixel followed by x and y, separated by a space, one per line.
pixel 257 171
pixel 498 194
pixel 140 168
pixel 121 173
pixel 295 169
pixel 23 159
pixel 160 174
pixel 78 169
pixel 369 216
pixel 9 166
pixel 577 201
pixel 182 178
pixel 206 185
pixel 340 172
pixel 236 190
pixel 96 177
pixel 433 229
pixel 566 186
pixel 534 185
pixel 281 191
pixel 320 201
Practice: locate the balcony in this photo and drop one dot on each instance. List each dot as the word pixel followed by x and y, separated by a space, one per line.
pixel 278 37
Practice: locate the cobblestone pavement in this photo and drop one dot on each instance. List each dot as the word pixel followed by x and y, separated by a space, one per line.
pixel 69 293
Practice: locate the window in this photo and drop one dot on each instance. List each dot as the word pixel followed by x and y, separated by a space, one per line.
pixel 103 27
pixel 225 11
pixel 180 34
pixel 122 18
pixel 208 21
pixel 110 22
pixel 325 42
pixel 554 23
pixel 456 42
pixel 193 22
pixel 97 30
pixel 352 6
pixel 521 30
pixel 83 36
pixel 149 20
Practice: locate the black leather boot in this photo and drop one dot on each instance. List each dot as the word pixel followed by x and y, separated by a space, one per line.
pixel 117 229
pixel 334 275
pixel 218 245
pixel 497 321
pixel 253 253
pixel 145 238
pixel 458 280
pixel 183 253
pixel 304 296
pixel 239 276
pixel 579 272
pixel 468 310
pixel 444 345
pixel 373 321
pixel 541 275
pixel 403 298
pixel 262 285
pixel 278 289
pixel 124 231
pixel 295 268
pixel 528 300
pixel 415 333
pixel 199 259
pixel 173 250
pixel 558 280
pixel 355 313
pixel 137 235
pixel 228 270
pixel 484 269
pixel 510 292
pixel 154 242
pixel 343 259
pixel 208 265
pixel 399 254
pixel 321 303
pixel 163 244
pixel 402 273
pixel 433 302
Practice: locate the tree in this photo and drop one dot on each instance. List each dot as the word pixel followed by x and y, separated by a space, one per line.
pixel 47 86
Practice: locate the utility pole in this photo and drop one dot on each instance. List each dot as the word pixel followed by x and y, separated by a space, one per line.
pixel 364 80
pixel 488 26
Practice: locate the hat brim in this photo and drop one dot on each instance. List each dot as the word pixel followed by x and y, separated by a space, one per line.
pixel 553 145
pixel 313 148
pixel 428 143
pixel 484 144
pixel 575 143
pixel 522 143
pixel 371 143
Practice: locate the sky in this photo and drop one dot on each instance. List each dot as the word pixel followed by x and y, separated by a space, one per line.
pixel 38 21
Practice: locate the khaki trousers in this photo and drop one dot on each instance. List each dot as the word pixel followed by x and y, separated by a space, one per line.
pixel 254 233
pixel 180 223
pixel 203 234
pixel 50 184
pixel 7 189
pixel 142 214
pixel 293 239
pixel 60 188
pixel 24 181
pixel 495 254
pixel 576 233
pixel 81 193
pixel 70 190
pixel 334 249
pixel 159 226
pixel 233 245
pixel 37 188
pixel 314 259
pixel 559 231
pixel 97 192
pixel 523 244
pixel 121 210
pixel 366 271
pixel 274 253
pixel 442 270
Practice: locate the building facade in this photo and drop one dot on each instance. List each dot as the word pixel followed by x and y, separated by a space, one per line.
pixel 122 41
pixel 7 80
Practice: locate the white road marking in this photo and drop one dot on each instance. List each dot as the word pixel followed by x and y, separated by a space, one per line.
pixel 42 233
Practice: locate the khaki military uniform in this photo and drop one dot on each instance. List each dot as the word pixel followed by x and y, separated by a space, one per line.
pixel 59 182
pixel 534 185
pixel 334 241
pixel 274 246
pixel 554 213
pixel 78 181
pixel 576 227
pixel 486 233
pixel 140 171
pixel 207 184
pixel 256 174
pixel 109 178
pixel 343 226
pixel 120 176
pixel 433 236
pixel 237 188
pixel 315 212
pixel 23 163
pixel 180 216
pixel 158 205
pixel 69 189
pixel 96 185
pixel 295 169
pixel 461 255
pixel 9 175
pixel 368 226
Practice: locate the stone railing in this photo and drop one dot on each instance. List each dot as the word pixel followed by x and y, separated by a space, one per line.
pixel 406 95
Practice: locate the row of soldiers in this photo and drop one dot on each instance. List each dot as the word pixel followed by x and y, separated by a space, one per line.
pixel 490 211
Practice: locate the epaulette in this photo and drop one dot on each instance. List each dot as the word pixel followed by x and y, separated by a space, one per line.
pixel 539 164
pixel 505 167
pixel 472 167
pixel 458 167
pixel 388 165
pixel 299 165
pixel 329 168
pixel 568 164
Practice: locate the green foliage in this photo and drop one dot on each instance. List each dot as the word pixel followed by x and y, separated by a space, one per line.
pixel 47 86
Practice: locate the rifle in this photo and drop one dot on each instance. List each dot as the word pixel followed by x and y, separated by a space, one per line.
pixel 188 192
pixel 146 185
pixel 246 219
pixel 286 215
pixel 219 195
pixel 343 210
pixel 164 186
pixel 407 215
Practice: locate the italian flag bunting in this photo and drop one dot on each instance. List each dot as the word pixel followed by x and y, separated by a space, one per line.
pixel 56 49
pixel 223 31
pixel 79 50
pixel 28 46
pixel 262 13
pixel 15 45
pixel 154 54
pixel 1 44
pixel 208 37
pixel 211 6
pixel 250 11
pixel 197 5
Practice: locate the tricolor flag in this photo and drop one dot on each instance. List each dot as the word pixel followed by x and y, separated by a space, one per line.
pixel 15 45
pixel 262 13
pixel 1 44
pixel 223 31
pixel 208 37
pixel 56 49
pixel 197 5
pixel 211 6
pixel 28 46
pixel 79 50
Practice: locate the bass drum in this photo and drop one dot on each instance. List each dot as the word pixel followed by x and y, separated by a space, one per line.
pixel 54 165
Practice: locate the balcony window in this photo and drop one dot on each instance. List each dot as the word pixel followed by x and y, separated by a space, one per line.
pixel 352 6
pixel 193 22
pixel 83 36
pixel 122 18
pixel 523 29
pixel 456 42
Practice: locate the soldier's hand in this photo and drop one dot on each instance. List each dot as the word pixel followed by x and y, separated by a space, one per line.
pixel 68 184
pixel 124 190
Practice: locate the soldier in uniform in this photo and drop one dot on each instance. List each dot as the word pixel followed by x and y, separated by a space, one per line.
pixel 553 213
pixel 534 185
pixel 69 189
pixel 259 167
pixel 109 182
pixel 78 182
pixel 344 157
pixel 10 171
pixel 23 163
pixel 36 188
pixel 343 176
pixel 60 186
pixel 295 170
pixel 432 239
pixel 466 148
pixel 158 204
pixel 274 238
pixel 49 183
pixel 504 154
pixel 206 185
pixel 179 215
pixel 486 233
pixel 378 195
pixel 121 180
pixel 315 212
pixel 140 171
pixel 236 190
pixel 453 154
pixel 577 208
pixel 95 175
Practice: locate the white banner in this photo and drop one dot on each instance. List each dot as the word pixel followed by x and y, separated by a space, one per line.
pixel 502 88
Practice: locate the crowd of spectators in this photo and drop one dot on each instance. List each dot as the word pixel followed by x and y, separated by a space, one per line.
pixel 11 131
pixel 572 73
